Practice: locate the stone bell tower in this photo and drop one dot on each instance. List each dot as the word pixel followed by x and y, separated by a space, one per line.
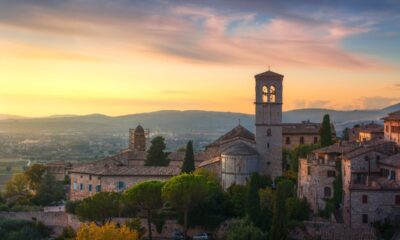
pixel 268 122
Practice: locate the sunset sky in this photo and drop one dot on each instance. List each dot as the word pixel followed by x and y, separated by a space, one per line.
pixel 124 56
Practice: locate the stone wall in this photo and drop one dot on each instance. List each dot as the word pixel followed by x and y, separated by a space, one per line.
pixel 313 179
pixel 295 140
pixel 58 220
pixel 380 206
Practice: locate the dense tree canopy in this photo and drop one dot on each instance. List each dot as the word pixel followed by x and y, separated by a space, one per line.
pixel 184 192
pixel 49 191
pixel 155 154
pixel 35 175
pixel 146 197
pixel 188 161
pixel 100 207
pixel 17 189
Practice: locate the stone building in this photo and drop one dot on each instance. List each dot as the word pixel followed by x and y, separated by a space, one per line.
pixel 370 183
pixel 392 127
pixel 306 132
pixel 59 169
pixel 365 132
pixel 317 173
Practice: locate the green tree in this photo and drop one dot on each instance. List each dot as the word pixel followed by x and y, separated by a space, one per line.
pixel 99 208
pixel 267 200
pixel 146 197
pixel 242 229
pixel 253 200
pixel 237 196
pixel 188 161
pixel 297 209
pixel 284 190
pixel 17 189
pixel 34 175
pixel 49 191
pixel 184 192
pixel 155 154
pixel 326 133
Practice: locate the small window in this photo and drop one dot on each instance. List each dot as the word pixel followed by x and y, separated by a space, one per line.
pixel 331 173
pixel 327 192
pixel 75 186
pixel 90 187
pixel 90 177
pixel 81 187
pixel 267 145
pixel 98 188
pixel 120 185
pixel 378 157
pixel 309 171
pixel 315 140
pixel 365 218
pixel 397 200
pixel 387 128
pixel 269 132
pixel 364 199
pixel 287 140
pixel 392 175
pixel 301 140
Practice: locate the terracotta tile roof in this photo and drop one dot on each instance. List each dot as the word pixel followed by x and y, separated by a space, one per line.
pixel 240 148
pixel 338 148
pixel 378 129
pixel 393 161
pixel 357 152
pixel 303 128
pixel 215 160
pixel 112 168
pixel 377 183
pixel 239 132
pixel 393 116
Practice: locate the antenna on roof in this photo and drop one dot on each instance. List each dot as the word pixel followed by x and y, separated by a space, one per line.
pixel 269 68
pixel 239 121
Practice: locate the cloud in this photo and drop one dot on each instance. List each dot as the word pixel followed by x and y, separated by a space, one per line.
pixel 311 104
pixel 193 32
pixel 377 102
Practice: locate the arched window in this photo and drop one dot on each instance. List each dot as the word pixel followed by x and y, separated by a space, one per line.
pixel 301 140
pixel 265 94
pixel 327 192
pixel 287 140
pixel 315 140
pixel 272 94
pixel 269 132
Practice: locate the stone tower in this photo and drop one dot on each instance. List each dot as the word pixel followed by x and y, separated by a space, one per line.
pixel 268 122
pixel 137 139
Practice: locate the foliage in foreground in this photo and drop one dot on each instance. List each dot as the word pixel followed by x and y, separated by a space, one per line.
pixel 106 232
pixel 243 229
pixel 13 229
pixel 100 207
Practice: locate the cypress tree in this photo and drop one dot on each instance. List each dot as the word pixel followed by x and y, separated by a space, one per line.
pixel 326 134
pixel 284 190
pixel 253 210
pixel 155 154
pixel 188 162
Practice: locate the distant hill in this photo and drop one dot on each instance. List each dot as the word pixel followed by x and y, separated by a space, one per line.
pixel 8 116
pixel 180 122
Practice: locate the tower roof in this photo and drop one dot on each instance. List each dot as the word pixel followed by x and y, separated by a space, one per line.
pixel 269 74
pixel 139 129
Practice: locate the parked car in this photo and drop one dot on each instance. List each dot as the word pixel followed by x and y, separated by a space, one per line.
pixel 177 235
pixel 202 235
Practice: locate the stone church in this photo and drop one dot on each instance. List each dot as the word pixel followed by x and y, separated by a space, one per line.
pixel 233 157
